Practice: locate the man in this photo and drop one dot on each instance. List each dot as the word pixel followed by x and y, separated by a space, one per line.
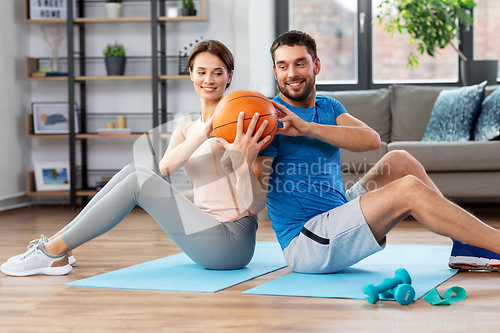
pixel 321 228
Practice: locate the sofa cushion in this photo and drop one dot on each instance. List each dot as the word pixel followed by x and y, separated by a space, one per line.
pixel 411 108
pixel 488 122
pixel 454 114
pixel 369 106
pixel 360 163
pixel 453 156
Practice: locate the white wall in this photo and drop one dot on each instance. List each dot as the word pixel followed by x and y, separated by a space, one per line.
pixel 14 99
pixel 228 21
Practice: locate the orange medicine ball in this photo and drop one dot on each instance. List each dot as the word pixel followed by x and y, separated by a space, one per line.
pixel 229 107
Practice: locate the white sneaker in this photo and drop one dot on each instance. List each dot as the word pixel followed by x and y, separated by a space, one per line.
pixel 37 261
pixel 42 240
pixel 32 244
pixel 71 259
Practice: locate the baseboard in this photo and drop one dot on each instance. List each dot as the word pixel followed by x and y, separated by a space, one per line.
pixel 14 201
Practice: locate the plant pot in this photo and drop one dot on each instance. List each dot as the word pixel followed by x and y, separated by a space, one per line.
pixel 188 12
pixel 476 71
pixel 113 9
pixel 115 65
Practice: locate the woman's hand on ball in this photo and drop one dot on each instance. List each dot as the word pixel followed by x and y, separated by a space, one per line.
pixel 206 130
pixel 246 146
pixel 209 126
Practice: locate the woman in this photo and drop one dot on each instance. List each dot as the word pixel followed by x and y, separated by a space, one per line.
pixel 218 230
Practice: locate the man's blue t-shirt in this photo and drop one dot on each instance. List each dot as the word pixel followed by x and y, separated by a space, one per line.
pixel 306 178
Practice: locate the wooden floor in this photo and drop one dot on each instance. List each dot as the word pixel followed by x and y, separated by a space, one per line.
pixel 44 304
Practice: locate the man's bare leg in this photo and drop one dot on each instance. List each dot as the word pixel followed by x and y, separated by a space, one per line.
pixel 385 207
pixel 393 166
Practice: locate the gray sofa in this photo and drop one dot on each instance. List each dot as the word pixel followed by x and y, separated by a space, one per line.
pixel 400 113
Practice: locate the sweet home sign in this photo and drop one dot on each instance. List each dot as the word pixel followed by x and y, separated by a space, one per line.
pixel 49 9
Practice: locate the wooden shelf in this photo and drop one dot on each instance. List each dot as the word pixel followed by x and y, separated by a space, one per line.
pixel 113 78
pixel 31 189
pixel 181 18
pixel 30 130
pixel 202 16
pixel 31 65
pixel 86 193
pixel 111 20
pixel 30 133
pixel 52 21
pixel 174 77
pixel 100 136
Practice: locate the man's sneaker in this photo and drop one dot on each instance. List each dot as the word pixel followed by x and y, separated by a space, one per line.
pixel 42 240
pixel 37 261
pixel 472 258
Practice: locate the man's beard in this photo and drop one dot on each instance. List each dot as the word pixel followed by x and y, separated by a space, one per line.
pixel 299 97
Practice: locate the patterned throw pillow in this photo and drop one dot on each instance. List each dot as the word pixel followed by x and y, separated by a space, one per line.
pixel 488 122
pixel 454 114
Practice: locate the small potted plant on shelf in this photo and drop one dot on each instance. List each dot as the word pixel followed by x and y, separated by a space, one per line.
pixel 188 8
pixel 115 59
pixel 113 8
pixel 435 25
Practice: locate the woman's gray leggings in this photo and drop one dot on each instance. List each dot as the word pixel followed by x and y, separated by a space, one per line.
pixel 209 243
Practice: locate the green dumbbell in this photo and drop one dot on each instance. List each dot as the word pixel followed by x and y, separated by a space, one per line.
pixel 372 292
pixel 404 293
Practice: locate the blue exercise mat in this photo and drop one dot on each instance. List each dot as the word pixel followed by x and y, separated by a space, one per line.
pixel 427 265
pixel 179 273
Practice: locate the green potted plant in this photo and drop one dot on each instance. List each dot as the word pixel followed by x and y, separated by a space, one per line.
pixel 188 8
pixel 113 8
pixel 435 24
pixel 115 59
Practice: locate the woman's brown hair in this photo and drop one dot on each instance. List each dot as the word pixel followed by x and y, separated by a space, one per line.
pixel 216 48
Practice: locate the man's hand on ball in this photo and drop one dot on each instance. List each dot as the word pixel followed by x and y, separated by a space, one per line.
pixel 293 125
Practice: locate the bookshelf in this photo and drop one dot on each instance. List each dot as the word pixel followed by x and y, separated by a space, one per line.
pixel 83 70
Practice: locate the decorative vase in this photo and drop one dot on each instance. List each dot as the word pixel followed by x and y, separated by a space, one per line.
pixel 476 71
pixel 113 9
pixel 54 61
pixel 188 12
pixel 115 65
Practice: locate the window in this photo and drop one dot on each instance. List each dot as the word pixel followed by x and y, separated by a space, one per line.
pixel 334 27
pixel 356 54
pixel 486 27
pixel 390 58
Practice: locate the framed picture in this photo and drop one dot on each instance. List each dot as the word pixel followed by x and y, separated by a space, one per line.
pixel 52 176
pixel 52 117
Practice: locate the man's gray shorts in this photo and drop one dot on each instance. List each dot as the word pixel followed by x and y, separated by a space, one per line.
pixel 334 240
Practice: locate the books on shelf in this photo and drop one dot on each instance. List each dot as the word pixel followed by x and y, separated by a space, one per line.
pixel 41 74
pixel 102 183
pixel 114 131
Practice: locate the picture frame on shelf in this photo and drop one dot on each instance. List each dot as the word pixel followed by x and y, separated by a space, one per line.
pixel 52 117
pixel 52 176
